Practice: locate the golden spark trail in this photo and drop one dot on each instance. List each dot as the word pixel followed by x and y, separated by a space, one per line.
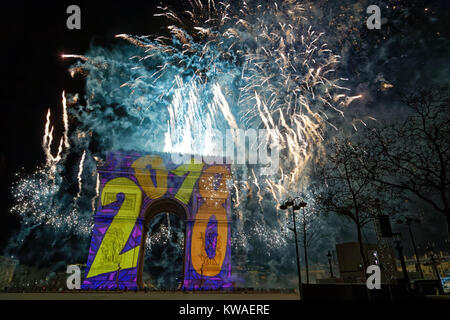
pixel 66 122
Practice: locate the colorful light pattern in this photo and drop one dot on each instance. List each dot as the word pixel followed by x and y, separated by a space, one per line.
pixel 126 183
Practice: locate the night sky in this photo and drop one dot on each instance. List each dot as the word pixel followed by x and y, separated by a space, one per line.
pixel 411 49
pixel 36 35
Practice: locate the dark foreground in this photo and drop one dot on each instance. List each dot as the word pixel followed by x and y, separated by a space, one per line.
pixel 146 296
pixel 167 296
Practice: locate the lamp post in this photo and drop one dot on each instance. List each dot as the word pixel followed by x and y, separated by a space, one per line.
pixel 329 255
pixel 430 252
pixel 408 221
pixel 295 206
pixel 305 250
pixel 398 246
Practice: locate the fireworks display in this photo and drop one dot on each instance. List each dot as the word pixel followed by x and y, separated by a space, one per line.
pixel 216 66
pixel 222 66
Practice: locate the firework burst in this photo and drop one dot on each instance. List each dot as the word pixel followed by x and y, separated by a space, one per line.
pixel 223 65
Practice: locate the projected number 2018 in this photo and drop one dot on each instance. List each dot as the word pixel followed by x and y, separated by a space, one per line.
pixel 111 256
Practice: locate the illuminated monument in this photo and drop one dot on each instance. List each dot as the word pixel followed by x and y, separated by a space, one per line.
pixel 133 189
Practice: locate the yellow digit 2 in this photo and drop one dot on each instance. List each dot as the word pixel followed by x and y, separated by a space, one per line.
pixel 142 174
pixel 109 257
pixel 212 206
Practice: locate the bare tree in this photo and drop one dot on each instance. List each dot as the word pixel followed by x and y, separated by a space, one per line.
pixel 310 232
pixel 347 190
pixel 414 155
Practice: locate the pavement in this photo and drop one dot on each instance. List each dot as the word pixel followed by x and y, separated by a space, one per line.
pixel 146 296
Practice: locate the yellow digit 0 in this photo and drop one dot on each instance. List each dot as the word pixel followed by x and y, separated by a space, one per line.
pixel 213 205
pixel 108 257
pixel 142 174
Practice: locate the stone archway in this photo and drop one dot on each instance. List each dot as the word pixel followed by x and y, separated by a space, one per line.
pixel 132 188
pixel 156 207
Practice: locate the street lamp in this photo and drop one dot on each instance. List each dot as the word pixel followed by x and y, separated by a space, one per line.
pixel 295 206
pixel 408 221
pixel 329 255
pixel 430 252
pixel 398 246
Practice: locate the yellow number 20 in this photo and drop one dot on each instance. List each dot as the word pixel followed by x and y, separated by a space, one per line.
pixel 109 257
